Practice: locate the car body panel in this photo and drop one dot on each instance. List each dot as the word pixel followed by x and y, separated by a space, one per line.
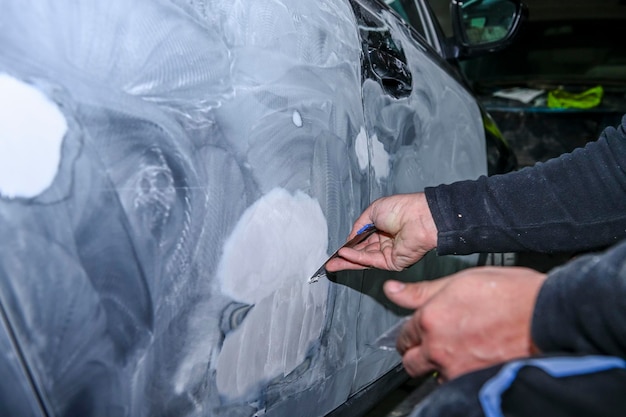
pixel 213 154
pixel 18 398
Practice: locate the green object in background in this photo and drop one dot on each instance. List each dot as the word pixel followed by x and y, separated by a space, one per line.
pixel 492 127
pixel 561 99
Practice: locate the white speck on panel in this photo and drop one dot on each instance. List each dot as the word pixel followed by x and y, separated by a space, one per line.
pixel 31 134
pixel 296 117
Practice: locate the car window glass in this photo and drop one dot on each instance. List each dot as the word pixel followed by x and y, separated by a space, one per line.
pixel 557 50
pixel 408 11
pixel 441 9
pixel 487 21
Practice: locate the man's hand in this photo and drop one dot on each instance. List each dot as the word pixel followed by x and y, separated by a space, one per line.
pixel 407 232
pixel 466 321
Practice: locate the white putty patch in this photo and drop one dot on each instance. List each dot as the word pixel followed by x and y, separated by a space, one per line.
pixel 278 243
pixel 281 237
pixel 380 159
pixel 31 134
pixel 361 149
pixel 273 339
pixel 379 156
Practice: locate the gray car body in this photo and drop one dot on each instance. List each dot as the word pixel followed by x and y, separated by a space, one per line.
pixel 215 153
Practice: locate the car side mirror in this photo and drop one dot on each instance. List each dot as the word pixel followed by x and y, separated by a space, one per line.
pixel 484 26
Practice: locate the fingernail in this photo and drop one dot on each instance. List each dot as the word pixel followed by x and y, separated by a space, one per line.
pixel 395 286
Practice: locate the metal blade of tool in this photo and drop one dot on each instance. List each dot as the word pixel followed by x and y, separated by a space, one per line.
pixel 361 235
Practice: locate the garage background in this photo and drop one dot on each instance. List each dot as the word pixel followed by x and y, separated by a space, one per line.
pixel 573 48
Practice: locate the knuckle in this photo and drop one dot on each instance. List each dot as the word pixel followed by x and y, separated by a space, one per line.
pixel 427 320
pixel 402 343
pixel 438 357
pixel 415 364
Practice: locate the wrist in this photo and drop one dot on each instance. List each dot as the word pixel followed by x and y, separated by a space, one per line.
pixel 426 227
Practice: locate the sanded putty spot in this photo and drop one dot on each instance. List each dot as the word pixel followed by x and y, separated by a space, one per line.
pixel 277 244
pixel 31 134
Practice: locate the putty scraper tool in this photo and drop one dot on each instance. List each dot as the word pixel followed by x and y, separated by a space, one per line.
pixel 361 235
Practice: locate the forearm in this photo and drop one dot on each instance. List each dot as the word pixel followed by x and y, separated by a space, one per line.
pixel 571 203
pixel 581 307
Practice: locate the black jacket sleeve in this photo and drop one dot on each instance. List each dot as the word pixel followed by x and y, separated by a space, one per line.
pixel 581 307
pixel 571 203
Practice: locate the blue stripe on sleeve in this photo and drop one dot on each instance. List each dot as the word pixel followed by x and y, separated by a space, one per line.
pixel 490 395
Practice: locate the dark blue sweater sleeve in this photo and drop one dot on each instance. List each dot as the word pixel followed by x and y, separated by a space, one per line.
pixel 581 307
pixel 571 203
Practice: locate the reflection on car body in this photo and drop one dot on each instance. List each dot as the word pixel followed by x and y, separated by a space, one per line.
pixel 209 155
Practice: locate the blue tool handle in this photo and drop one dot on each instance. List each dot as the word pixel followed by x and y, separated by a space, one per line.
pixel 365 228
